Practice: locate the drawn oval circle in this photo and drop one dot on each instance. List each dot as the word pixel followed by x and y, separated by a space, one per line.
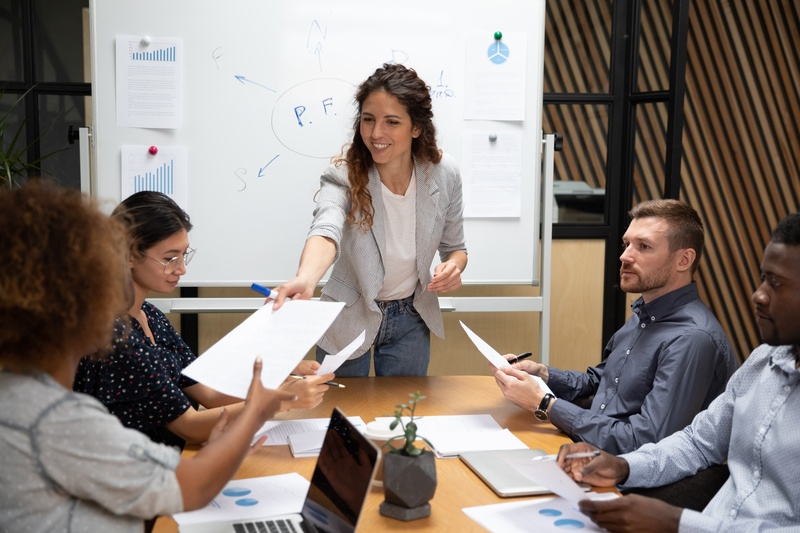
pixel 315 118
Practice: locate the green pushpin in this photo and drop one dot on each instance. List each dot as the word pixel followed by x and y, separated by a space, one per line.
pixel 498 35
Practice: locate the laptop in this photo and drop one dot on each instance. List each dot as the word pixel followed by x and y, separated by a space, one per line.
pixel 496 469
pixel 339 487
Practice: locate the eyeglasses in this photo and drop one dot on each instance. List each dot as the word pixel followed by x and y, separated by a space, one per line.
pixel 176 262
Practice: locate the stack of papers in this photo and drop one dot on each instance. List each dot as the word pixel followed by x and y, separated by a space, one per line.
pixel 451 435
pixel 303 436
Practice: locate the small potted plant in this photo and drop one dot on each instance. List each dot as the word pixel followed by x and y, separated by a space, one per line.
pixel 409 472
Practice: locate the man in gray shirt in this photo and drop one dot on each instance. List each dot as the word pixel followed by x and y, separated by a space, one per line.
pixel 666 364
pixel 754 426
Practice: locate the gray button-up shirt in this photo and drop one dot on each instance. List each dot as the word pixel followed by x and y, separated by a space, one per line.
pixel 666 364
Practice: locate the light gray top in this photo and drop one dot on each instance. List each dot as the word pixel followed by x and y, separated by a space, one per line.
pixel 755 426
pixel 66 464
pixel 358 273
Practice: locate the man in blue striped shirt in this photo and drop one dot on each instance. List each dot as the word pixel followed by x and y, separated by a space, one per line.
pixel 754 426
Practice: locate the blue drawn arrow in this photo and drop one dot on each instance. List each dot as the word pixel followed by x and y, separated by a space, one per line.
pixel 261 170
pixel 243 79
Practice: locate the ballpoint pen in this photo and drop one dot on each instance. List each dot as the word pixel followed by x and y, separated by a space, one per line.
pixel 580 455
pixel 331 383
pixel 520 357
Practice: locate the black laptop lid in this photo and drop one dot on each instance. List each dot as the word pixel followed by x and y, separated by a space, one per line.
pixel 342 477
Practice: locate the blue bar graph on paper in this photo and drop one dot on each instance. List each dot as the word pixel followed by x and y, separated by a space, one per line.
pixel 163 54
pixel 161 179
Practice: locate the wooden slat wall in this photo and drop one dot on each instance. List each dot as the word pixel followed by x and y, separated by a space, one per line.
pixel 741 139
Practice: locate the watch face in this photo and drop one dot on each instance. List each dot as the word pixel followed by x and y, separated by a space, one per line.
pixel 541 415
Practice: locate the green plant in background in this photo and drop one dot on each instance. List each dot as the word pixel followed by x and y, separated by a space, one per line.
pixel 409 428
pixel 14 166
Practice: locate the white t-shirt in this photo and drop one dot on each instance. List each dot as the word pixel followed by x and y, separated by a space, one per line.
pixel 400 263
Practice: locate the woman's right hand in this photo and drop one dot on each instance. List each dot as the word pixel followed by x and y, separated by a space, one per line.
pixel 308 391
pixel 264 402
pixel 298 288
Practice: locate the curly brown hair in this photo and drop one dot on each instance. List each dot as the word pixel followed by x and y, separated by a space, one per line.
pixel 404 84
pixel 65 276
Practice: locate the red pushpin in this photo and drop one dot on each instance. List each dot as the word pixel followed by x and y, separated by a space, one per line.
pixel 153 150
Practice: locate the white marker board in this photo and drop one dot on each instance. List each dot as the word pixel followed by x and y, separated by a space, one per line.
pixel 253 165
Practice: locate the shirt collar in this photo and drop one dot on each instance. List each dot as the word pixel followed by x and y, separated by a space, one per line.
pixel 666 304
pixel 783 357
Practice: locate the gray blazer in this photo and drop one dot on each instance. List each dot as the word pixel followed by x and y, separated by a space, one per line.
pixel 358 271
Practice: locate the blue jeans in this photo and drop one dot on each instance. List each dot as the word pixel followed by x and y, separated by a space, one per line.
pixel 402 346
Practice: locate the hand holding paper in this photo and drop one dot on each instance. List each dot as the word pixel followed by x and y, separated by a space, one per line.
pixel 494 357
pixel 334 361
pixel 281 338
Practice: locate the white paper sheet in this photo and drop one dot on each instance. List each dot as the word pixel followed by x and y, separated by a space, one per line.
pixel 307 444
pixel 452 443
pixel 491 170
pixel 149 81
pixel 244 499
pixel 279 431
pixel 495 76
pixel 547 473
pixel 450 435
pixel 543 515
pixel 164 171
pixel 494 357
pixel 334 361
pixel 282 338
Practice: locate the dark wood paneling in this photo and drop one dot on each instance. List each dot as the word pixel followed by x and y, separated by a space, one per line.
pixel 741 141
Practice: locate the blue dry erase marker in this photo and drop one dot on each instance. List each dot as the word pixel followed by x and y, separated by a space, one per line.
pixel 269 293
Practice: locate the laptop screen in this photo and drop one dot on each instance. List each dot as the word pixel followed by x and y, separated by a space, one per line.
pixel 342 477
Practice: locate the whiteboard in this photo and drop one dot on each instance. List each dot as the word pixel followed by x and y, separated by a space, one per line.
pixel 252 169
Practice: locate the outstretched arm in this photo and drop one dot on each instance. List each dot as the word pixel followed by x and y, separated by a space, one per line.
pixel 316 259
pixel 203 476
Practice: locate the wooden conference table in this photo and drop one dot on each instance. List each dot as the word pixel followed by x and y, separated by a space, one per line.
pixel 371 397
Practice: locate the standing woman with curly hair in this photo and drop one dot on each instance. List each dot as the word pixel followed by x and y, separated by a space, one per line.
pixel 383 210
pixel 66 463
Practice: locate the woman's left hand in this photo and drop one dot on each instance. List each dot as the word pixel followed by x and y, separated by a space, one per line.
pixel 446 277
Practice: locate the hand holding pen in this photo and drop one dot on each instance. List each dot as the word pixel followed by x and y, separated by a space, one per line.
pixel 308 389
pixel 520 357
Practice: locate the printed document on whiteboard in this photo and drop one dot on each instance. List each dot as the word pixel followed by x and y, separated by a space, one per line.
pixel 149 81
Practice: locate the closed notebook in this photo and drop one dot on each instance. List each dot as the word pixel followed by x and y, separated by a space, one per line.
pixel 496 469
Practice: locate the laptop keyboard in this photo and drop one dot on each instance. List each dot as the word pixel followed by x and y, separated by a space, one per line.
pixel 266 526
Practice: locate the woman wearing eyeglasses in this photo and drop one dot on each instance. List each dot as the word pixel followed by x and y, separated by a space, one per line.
pixel 142 383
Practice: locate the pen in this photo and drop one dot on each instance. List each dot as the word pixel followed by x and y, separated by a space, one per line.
pixel 579 455
pixel 269 293
pixel 331 383
pixel 520 357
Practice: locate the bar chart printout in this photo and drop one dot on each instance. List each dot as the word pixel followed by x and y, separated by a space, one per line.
pixel 164 171
pixel 148 76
